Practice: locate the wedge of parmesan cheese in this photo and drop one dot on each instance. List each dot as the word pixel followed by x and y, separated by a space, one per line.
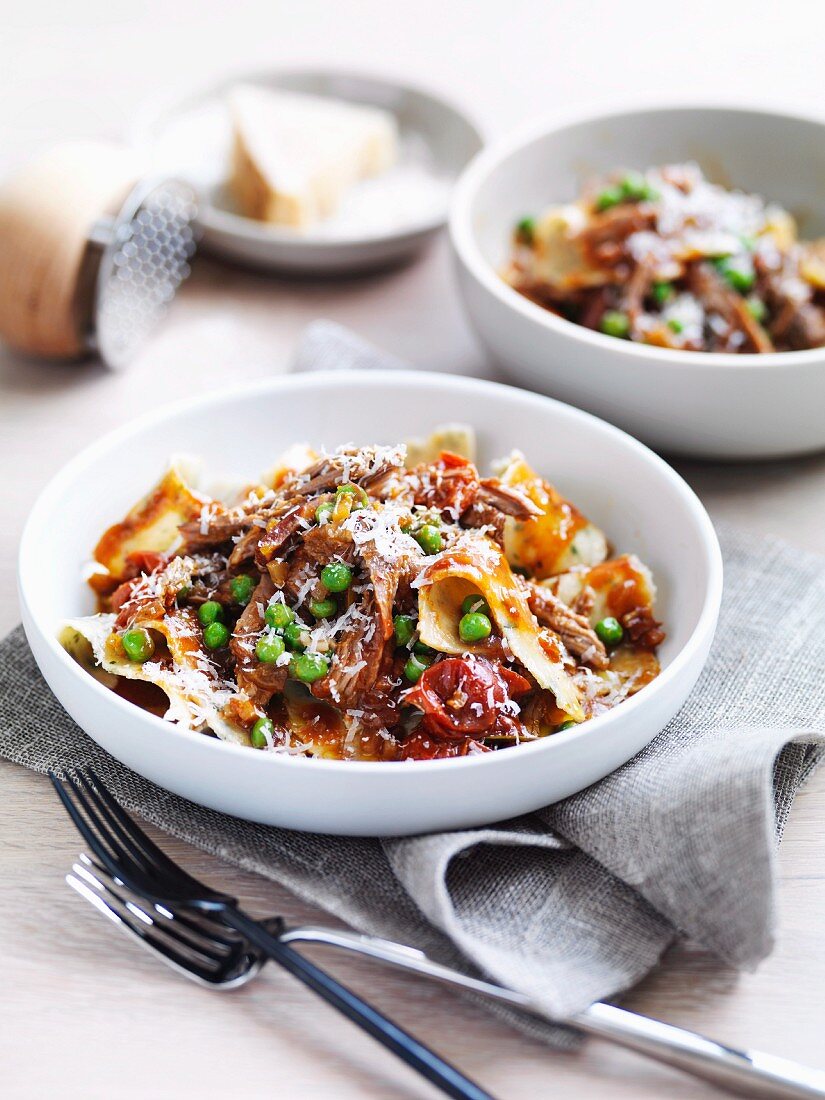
pixel 294 156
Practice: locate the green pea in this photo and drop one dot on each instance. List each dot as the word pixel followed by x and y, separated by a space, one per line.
pixel 138 644
pixel 262 732
pixel 278 615
pixel 323 609
pixel 635 188
pixel 757 308
pixel 661 293
pixel 269 648
pixel 215 635
pixel 526 230
pixel 310 667
pixel 294 636
pixel 474 627
pixel 568 725
pixel 611 196
pixel 737 273
pixel 337 576
pixel 210 612
pixel 632 185
pixel 743 281
pixel 471 604
pixel 404 629
pixel 609 630
pixel 675 326
pixel 182 593
pixel 423 650
pixel 323 513
pixel 615 323
pixel 414 668
pixel 242 588
pixel 429 538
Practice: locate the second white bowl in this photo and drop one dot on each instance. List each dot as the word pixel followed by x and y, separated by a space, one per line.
pixel 692 403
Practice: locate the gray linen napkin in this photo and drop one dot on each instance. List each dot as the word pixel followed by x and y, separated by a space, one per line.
pixel 576 902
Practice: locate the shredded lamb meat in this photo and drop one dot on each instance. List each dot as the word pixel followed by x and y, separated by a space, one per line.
pixel 260 681
pixel 365 466
pixel 574 629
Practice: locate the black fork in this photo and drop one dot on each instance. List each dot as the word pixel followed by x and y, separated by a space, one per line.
pixel 131 856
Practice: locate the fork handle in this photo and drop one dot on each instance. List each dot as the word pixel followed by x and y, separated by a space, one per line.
pixel 745 1072
pixel 407 1047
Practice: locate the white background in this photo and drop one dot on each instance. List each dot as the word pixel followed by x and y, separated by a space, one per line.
pixel 82 68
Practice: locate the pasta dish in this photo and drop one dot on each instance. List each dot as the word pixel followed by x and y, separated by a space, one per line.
pixel 369 603
pixel 666 258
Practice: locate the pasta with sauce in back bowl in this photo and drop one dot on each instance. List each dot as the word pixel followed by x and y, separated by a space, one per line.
pixel 373 603
pixel 669 259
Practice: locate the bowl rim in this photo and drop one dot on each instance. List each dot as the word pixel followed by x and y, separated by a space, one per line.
pixel 496 153
pixel 158 110
pixel 700 637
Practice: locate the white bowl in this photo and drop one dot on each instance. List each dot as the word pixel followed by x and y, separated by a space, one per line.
pixel 191 138
pixel 643 505
pixel 692 403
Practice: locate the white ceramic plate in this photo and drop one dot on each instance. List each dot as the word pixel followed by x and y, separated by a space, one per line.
pixel 641 503
pixel 693 403
pixel 390 217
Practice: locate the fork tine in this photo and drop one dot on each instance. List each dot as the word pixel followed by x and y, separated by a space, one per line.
pixel 83 827
pixel 198 939
pixel 200 923
pixel 120 825
pixel 138 836
pixel 159 863
pixel 190 967
pixel 224 970
pixel 125 851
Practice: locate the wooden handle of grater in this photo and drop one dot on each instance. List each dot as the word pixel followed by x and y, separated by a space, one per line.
pixel 47 209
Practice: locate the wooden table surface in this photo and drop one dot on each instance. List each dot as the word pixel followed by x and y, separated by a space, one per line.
pixel 84 1014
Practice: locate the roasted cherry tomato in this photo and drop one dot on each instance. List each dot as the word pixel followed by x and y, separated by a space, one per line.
pixel 144 561
pixel 121 595
pixel 138 563
pixel 464 695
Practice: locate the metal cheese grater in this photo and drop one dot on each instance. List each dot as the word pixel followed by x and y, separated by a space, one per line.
pixel 90 254
pixel 146 251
